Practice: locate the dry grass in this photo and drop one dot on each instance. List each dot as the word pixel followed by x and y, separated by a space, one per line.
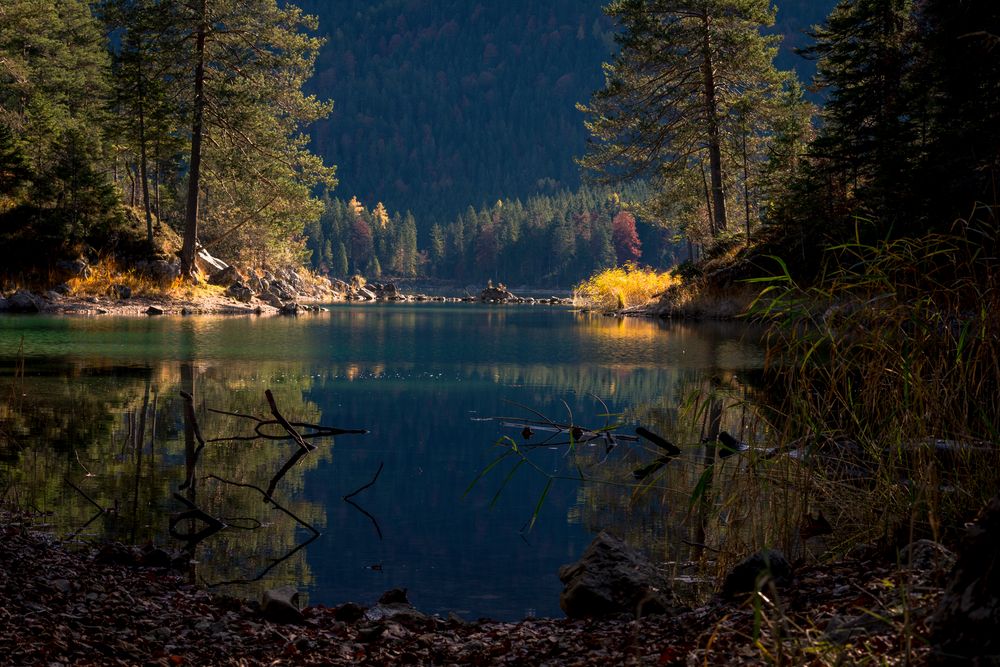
pixel 106 277
pixel 622 287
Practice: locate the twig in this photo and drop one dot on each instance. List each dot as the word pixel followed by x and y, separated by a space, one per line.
pixel 89 499
pixel 267 569
pixel 299 453
pixel 284 422
pixel 267 497
pixel 367 514
pixel 368 485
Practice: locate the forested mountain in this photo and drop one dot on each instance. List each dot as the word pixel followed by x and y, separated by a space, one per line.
pixel 448 104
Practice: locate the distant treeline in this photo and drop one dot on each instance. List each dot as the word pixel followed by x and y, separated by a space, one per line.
pixel 546 241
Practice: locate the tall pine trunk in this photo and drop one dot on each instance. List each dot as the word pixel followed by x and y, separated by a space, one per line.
pixel 194 173
pixel 712 118
pixel 143 175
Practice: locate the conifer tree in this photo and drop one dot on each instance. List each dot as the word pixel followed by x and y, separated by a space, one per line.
pixel 863 151
pixel 244 66
pixel 672 94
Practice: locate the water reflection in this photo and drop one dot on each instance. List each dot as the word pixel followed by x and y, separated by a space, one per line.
pixel 98 403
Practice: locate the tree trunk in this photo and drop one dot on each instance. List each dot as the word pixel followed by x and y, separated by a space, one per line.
pixel 194 173
pixel 142 157
pixel 712 118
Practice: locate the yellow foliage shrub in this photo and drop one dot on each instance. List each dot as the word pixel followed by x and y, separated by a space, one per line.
pixel 622 287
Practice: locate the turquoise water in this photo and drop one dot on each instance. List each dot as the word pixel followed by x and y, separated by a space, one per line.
pixel 95 403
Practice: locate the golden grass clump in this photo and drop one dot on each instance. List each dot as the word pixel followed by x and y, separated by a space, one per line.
pixel 622 287
pixel 106 277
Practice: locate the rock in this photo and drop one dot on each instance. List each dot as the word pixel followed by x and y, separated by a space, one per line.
pixel 927 556
pixel 225 277
pixel 154 310
pixel 613 578
pixel 160 270
pixel 121 291
pixel 290 308
pixel 22 301
pixel 62 289
pixel 349 612
pixel 156 557
pixel 280 605
pixel 394 596
pixel 272 299
pixel 964 626
pixel 76 267
pixel 206 263
pixel 240 292
pixel 750 574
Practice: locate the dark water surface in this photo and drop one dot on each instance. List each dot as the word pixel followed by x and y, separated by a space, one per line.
pixel 95 403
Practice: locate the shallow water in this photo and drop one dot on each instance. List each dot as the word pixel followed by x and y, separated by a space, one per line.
pixel 95 403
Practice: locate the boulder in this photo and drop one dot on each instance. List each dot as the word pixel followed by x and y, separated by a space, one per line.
pixel 22 301
pixel 240 292
pixel 225 277
pixel 154 310
pixel 613 578
pixel 272 299
pixel 290 308
pixel 394 605
pixel 280 605
pixel 75 268
pixel 964 625
pixel 162 271
pixel 754 571
pixel 206 263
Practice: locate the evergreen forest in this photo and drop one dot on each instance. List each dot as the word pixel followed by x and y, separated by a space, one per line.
pixel 480 141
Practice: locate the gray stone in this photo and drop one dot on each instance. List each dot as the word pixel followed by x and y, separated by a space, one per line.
pixel 752 572
pixel 206 263
pixel 240 292
pixel 280 605
pixel 162 271
pixel 613 578
pixel 22 301
pixel 927 556
pixel 225 277
pixel 272 299
pixel 154 310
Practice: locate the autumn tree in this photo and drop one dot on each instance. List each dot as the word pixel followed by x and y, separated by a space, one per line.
pixel 628 247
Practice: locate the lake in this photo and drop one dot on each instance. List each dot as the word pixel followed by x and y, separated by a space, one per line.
pixel 93 419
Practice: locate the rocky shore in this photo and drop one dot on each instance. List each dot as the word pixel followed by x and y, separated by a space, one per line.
pixel 233 292
pixel 63 604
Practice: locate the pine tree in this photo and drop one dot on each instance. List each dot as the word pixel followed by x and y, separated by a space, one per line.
pixel 863 151
pixel 673 94
pixel 246 64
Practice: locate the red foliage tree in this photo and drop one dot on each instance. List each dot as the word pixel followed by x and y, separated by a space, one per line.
pixel 628 247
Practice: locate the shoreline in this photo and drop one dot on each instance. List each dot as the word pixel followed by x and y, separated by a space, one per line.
pixel 100 606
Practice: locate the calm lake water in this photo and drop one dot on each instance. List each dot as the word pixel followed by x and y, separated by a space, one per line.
pixel 92 417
